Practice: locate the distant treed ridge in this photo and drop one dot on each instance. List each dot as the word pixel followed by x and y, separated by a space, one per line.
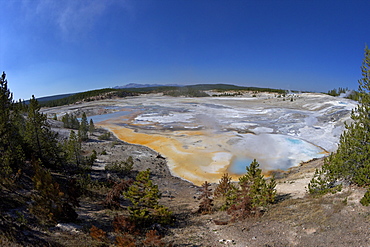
pixel 175 91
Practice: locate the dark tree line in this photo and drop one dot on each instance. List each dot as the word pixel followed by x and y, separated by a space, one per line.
pixel 27 144
pixel 105 93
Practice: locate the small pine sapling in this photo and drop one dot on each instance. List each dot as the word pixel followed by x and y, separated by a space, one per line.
pixel 253 193
pixel 126 231
pixel 144 196
pixel 206 205
pixel 243 205
pixel 224 190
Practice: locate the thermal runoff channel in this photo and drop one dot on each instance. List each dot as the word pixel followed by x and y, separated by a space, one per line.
pixel 202 138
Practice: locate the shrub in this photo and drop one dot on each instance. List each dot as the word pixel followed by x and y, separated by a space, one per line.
pixel 112 199
pixel 122 167
pixel 365 201
pixel 105 136
pixel 98 234
pixel 152 239
pixel 122 223
pixel 50 204
pixel 125 240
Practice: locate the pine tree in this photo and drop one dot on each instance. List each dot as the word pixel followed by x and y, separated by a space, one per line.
pixel 205 206
pixel 224 191
pixel 224 185
pixel 84 127
pixel 70 121
pixel 74 123
pixel 253 193
pixel 144 196
pixel 351 162
pixel 41 140
pixel 66 120
pixel 73 149
pixel 11 151
pixel 35 122
pixel 91 126
pixel 261 193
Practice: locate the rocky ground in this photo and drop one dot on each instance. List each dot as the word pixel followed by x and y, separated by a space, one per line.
pixel 296 219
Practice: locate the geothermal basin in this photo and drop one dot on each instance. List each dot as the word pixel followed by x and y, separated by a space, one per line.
pixel 202 138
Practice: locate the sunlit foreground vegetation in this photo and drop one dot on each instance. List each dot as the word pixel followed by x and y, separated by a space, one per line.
pixel 351 162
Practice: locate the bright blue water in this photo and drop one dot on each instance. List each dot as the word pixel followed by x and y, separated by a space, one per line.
pixel 103 117
pixel 287 155
pixel 239 165
pixel 294 140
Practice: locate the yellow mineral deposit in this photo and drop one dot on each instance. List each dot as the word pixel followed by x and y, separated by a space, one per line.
pixel 192 155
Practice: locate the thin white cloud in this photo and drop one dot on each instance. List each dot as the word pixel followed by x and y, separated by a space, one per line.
pixel 71 18
pixel 79 17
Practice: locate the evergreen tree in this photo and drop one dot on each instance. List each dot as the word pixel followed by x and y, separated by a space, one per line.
pixel 65 120
pixel 11 152
pixel 351 162
pixel 70 121
pixel 91 126
pixel 224 190
pixel 205 206
pixel 73 149
pixel 42 142
pixel 84 127
pixel 261 193
pixel 35 122
pixel 74 124
pixel 144 196
pixel 253 192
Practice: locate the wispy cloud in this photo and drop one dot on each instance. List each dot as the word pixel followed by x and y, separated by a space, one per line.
pixel 80 16
pixel 71 18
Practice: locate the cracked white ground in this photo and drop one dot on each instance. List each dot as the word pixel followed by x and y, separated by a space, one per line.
pixel 202 138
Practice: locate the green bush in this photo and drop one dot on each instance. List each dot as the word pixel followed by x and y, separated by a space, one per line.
pixel 122 167
pixel 106 136
pixel 365 201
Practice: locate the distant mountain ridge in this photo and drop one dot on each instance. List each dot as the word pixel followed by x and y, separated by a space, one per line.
pixel 138 85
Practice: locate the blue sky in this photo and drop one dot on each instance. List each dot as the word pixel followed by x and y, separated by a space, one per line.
pixel 50 47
